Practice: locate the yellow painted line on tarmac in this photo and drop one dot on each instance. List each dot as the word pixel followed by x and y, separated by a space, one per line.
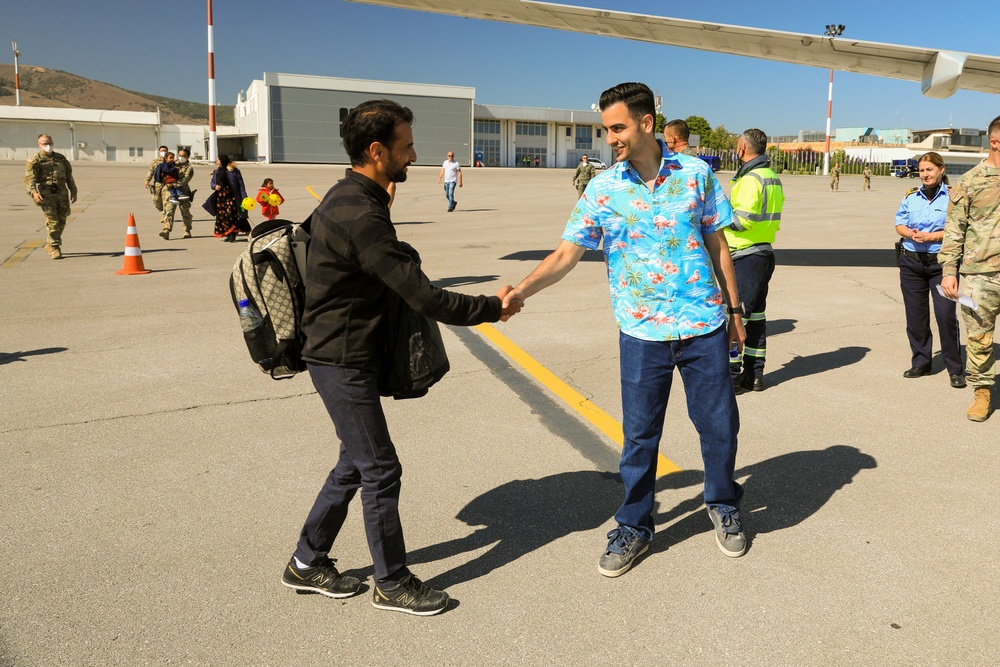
pixel 602 420
pixel 310 190
pixel 22 253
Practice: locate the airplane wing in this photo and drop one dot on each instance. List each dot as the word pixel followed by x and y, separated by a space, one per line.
pixel 940 73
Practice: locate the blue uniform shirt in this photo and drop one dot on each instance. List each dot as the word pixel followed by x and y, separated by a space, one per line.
pixel 921 215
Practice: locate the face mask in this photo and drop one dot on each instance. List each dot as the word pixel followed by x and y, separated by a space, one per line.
pixel 163 154
pixel 47 148
pixel 181 160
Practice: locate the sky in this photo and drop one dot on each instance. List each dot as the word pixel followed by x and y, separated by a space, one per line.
pixel 162 49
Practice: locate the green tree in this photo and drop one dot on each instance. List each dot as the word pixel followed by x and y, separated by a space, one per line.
pixel 661 122
pixel 698 125
pixel 720 139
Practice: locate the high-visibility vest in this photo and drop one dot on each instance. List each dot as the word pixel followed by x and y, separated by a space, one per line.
pixel 757 200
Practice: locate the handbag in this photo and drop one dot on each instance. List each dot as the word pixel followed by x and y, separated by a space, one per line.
pixel 413 357
pixel 210 203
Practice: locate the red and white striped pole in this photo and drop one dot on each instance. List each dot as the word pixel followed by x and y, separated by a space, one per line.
pixel 213 137
pixel 17 76
pixel 829 114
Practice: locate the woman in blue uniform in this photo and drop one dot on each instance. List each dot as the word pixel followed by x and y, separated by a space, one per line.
pixel 920 223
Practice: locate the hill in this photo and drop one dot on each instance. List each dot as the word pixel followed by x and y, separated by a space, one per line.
pixel 44 87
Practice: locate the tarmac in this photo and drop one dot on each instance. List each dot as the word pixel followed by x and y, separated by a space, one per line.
pixel 154 482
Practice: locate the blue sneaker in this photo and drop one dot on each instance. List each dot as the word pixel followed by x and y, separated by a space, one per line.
pixel 728 533
pixel 625 545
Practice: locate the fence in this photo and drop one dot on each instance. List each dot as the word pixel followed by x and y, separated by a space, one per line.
pixel 805 161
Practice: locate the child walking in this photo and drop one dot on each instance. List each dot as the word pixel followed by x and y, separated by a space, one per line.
pixel 269 199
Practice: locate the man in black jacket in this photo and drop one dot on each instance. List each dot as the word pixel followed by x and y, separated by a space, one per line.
pixel 354 260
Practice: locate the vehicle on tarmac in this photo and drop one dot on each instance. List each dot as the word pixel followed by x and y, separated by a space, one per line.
pixel 714 162
pixel 598 164
pixel 904 168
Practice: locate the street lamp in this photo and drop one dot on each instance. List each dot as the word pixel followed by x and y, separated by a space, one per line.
pixel 832 30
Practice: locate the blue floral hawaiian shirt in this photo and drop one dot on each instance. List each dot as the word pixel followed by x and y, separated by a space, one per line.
pixel 662 281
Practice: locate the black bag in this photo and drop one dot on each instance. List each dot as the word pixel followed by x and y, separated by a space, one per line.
pixel 269 275
pixel 414 357
pixel 209 204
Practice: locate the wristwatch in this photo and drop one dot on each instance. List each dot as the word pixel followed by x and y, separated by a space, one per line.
pixel 738 309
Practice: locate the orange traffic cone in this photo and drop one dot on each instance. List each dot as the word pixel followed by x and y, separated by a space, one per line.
pixel 133 253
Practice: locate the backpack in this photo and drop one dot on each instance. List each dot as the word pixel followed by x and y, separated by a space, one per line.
pixel 269 275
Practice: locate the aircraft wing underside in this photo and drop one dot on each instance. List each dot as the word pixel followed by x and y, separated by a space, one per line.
pixel 940 73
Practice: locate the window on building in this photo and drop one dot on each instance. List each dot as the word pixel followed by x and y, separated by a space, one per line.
pixel 138 151
pixel 490 149
pixel 584 138
pixel 486 127
pixel 530 157
pixel 527 129
pixel 131 151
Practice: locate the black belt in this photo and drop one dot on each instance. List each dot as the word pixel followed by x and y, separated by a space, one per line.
pixel 924 257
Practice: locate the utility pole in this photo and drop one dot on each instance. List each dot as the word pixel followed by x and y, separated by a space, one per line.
pixel 832 31
pixel 213 137
pixel 17 77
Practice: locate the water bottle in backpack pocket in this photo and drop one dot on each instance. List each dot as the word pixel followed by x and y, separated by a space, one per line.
pixel 255 333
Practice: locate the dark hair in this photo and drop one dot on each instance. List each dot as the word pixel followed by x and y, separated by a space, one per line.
pixel 755 140
pixel 680 129
pixel 370 122
pixel 164 148
pixel 169 154
pixel 266 181
pixel 224 160
pixel 994 127
pixel 637 98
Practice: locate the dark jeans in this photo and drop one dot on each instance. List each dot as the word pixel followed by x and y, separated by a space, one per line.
pixel 647 369
pixel 753 273
pixel 916 279
pixel 367 461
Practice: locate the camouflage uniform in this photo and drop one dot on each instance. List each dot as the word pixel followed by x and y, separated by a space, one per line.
pixel 867 185
pixel 155 189
pixel 689 151
pixel 51 176
pixel 971 247
pixel 185 172
pixel 584 172
pixel 835 178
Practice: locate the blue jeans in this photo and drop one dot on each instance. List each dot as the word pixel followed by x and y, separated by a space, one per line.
pixel 647 369
pixel 449 192
pixel 367 461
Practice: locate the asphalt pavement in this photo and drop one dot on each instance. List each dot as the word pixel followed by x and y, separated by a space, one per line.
pixel 153 482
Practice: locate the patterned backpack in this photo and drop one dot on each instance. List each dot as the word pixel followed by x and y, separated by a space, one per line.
pixel 269 275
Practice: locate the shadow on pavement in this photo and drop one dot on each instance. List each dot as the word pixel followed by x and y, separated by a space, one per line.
pixel 778 327
pixel 521 516
pixel 815 363
pixel 869 257
pixel 10 357
pixel 539 255
pixel 457 281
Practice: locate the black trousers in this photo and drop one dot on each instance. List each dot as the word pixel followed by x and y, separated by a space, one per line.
pixel 368 462
pixel 753 274
pixel 916 279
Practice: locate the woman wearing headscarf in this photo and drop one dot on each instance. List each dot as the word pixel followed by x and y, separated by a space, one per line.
pixel 230 192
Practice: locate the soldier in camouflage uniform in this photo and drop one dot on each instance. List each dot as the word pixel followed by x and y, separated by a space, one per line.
pixel 867 173
pixel 155 189
pixel 584 172
pixel 676 135
pixel 972 247
pixel 49 180
pixel 185 172
pixel 835 177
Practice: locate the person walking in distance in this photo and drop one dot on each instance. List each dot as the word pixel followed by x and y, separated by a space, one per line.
pixel 150 183
pixel 451 172
pixel 354 262
pixel 672 283
pixel 584 172
pixel 48 178
pixel 185 172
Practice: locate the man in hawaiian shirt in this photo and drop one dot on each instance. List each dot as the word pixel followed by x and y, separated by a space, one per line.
pixel 661 216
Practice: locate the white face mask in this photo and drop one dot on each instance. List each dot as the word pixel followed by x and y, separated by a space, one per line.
pixel 181 160
pixel 47 148
pixel 163 153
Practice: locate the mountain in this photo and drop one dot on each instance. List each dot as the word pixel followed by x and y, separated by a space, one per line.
pixel 44 87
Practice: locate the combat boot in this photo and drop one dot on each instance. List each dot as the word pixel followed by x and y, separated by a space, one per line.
pixel 165 234
pixel 980 409
pixel 56 252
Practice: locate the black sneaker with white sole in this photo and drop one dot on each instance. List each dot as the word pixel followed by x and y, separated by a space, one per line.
pixel 322 578
pixel 728 532
pixel 410 596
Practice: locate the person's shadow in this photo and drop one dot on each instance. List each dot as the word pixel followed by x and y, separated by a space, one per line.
pixel 10 357
pixel 521 516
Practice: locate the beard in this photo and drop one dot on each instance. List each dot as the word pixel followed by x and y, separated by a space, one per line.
pixel 398 173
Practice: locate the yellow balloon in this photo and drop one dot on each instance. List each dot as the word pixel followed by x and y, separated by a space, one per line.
pixel 274 200
pixel 249 204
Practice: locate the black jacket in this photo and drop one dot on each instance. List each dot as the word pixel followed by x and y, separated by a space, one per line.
pixel 354 258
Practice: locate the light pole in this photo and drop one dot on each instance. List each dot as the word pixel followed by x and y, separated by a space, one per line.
pixel 832 30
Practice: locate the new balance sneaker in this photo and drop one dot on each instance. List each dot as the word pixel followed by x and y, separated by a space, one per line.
pixel 410 596
pixel 625 545
pixel 728 533
pixel 322 578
